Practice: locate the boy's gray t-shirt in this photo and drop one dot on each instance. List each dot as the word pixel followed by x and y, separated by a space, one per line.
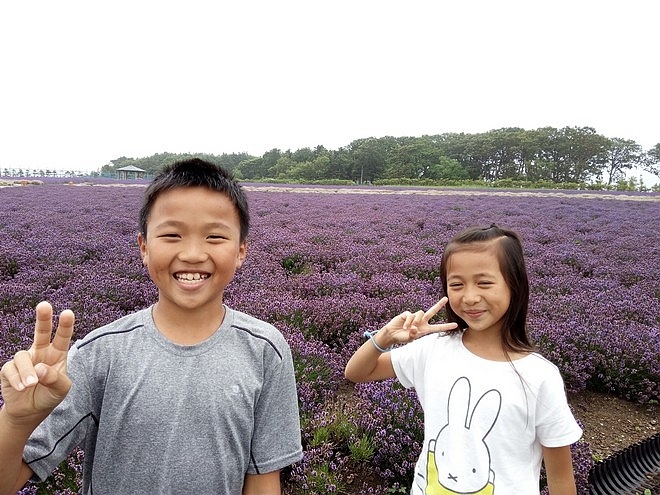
pixel 156 417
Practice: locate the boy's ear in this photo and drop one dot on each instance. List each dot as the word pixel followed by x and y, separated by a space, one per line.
pixel 242 254
pixel 142 243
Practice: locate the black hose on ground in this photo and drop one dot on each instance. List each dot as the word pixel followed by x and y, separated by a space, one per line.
pixel 629 471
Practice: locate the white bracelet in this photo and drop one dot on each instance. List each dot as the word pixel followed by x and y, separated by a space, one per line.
pixel 370 336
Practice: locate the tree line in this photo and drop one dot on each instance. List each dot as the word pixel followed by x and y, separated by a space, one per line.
pixel 577 155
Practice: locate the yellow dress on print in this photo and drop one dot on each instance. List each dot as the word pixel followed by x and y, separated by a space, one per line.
pixel 433 486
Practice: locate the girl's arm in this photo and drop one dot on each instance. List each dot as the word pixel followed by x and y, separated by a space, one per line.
pixel 369 363
pixel 559 469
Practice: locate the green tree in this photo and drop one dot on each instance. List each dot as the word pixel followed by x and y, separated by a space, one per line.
pixel 621 155
pixel 450 169
pixel 416 160
pixel 258 168
pixel 368 156
pixel 282 168
pixel 340 165
pixel 652 161
pixel 588 152
pixel 230 160
pixel 464 149
pixel 303 155
pixel 270 160
pixel 252 169
pixel 572 154
pixel 311 170
pixel 530 150
pixel 501 153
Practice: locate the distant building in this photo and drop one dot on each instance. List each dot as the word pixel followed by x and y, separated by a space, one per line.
pixel 130 172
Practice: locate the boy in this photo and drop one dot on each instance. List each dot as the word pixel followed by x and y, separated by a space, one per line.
pixel 187 396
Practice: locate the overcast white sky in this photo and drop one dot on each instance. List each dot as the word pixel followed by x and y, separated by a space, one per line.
pixel 84 82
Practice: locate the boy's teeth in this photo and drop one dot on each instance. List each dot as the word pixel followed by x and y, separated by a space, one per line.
pixel 189 276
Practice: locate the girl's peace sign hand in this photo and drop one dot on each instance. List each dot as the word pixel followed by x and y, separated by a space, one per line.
pixel 35 381
pixel 408 326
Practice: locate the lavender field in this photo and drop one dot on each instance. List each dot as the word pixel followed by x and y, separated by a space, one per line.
pixel 324 264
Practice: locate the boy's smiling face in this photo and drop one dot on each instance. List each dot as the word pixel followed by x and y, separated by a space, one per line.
pixel 192 248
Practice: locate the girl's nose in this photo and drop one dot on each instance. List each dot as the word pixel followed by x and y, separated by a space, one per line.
pixel 471 296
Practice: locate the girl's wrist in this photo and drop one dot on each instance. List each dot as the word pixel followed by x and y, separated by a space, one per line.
pixel 379 340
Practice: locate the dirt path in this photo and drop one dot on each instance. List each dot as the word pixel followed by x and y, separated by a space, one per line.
pixel 453 192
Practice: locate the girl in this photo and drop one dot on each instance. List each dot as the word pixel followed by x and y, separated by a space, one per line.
pixel 493 408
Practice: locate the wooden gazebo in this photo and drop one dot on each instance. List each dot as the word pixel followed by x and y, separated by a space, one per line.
pixel 130 172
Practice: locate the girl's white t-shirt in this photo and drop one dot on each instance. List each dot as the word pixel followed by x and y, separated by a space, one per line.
pixel 484 421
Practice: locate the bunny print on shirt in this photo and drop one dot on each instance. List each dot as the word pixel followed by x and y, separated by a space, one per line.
pixel 458 460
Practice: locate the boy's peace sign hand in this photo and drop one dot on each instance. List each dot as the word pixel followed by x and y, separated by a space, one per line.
pixel 408 326
pixel 35 381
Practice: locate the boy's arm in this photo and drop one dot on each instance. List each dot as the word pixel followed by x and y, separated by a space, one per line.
pixel 14 473
pixel 559 469
pixel 32 384
pixel 262 484
pixel 369 363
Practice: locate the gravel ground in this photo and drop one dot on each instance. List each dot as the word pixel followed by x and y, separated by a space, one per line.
pixel 611 424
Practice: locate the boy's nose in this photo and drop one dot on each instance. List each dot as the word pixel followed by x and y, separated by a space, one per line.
pixel 193 252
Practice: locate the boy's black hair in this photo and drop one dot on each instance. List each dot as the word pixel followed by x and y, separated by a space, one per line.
pixel 509 252
pixel 195 172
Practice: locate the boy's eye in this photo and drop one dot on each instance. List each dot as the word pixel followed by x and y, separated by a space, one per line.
pixel 170 235
pixel 216 237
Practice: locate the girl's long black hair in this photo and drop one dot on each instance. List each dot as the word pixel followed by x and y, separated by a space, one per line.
pixel 509 251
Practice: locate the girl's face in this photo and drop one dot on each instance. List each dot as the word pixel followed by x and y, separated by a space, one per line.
pixel 477 290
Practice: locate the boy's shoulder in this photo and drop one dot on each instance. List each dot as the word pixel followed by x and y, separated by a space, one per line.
pixel 249 322
pixel 134 325
pixel 255 327
pixel 124 325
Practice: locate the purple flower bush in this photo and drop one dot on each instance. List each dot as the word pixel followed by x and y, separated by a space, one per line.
pixel 323 267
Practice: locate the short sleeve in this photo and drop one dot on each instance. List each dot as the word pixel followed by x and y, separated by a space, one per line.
pixel 276 440
pixel 555 426
pixel 409 360
pixel 57 436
